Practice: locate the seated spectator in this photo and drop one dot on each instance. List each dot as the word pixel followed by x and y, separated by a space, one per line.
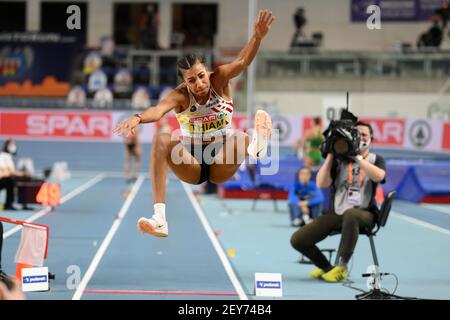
pixel 305 199
pixel 141 99
pixel 9 175
pixel 123 83
pixel 97 81
pixel 76 97
pixel 92 63
pixel 107 45
pixel 6 182
pixel 103 99
pixel 433 37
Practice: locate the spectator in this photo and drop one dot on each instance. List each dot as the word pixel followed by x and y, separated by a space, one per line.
pixel 8 172
pixel 97 81
pixel 305 199
pixel 92 63
pixel 148 25
pixel 107 45
pixel 443 13
pixel 140 99
pixel 300 22
pixel 123 83
pixel 433 37
pixel 103 99
pixel 11 175
pixel 132 150
pixel 76 97
pixel 309 145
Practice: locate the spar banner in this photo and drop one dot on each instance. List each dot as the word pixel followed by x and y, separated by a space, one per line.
pixel 74 125
pixel 396 10
pixel 56 125
pixel 36 64
pixel 68 125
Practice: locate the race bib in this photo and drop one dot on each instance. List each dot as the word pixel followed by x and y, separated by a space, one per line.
pixel 354 196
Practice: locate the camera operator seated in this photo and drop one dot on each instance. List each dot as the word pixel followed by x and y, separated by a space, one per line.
pixel 305 199
pixel 354 182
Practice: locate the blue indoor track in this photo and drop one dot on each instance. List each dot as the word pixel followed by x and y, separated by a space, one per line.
pixel 215 246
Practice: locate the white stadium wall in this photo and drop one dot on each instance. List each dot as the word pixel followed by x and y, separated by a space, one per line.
pixel 332 18
pixel 371 105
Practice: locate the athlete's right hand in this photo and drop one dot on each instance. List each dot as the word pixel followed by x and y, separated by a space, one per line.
pixel 127 128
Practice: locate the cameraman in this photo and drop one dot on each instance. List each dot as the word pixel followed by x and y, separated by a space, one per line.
pixel 354 182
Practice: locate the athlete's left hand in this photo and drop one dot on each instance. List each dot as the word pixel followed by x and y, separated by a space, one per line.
pixel 262 25
pixel 127 128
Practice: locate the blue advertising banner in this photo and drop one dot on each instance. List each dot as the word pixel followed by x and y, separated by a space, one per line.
pixel 34 57
pixel 396 10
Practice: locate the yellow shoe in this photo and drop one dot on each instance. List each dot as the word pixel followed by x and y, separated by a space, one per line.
pixel 317 273
pixel 336 274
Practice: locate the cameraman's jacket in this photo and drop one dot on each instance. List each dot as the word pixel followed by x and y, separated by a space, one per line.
pixel 339 189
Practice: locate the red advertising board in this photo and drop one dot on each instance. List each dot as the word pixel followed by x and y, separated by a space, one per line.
pixel 387 132
pixel 56 124
pixel 446 136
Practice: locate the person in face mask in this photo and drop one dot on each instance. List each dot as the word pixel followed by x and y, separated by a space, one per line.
pixel 8 151
pixel 6 174
pixel 353 206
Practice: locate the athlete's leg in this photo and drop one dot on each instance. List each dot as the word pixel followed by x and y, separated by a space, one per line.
pixel 166 152
pixel 127 164
pixel 261 135
pixel 239 145
pixel 137 160
pixel 229 158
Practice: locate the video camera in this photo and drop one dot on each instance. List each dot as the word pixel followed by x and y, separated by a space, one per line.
pixel 342 138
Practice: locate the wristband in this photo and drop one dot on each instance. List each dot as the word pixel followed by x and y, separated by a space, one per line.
pixel 139 116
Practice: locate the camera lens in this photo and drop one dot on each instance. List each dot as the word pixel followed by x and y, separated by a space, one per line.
pixel 340 147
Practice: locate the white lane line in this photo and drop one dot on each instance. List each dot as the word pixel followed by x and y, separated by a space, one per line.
pixel 445 210
pixel 421 223
pixel 106 242
pixel 64 199
pixel 219 250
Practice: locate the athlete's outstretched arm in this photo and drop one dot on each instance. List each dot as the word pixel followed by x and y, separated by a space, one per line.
pixel 248 53
pixel 128 127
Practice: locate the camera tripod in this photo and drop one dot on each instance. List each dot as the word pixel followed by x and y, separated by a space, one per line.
pixel 375 293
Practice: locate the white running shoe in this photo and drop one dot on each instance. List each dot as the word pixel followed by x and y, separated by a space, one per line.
pixel 261 135
pixel 307 219
pixel 154 227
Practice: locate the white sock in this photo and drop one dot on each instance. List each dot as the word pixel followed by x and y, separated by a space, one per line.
pixel 160 211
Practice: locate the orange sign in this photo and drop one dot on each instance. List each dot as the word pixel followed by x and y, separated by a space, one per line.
pixel 49 194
